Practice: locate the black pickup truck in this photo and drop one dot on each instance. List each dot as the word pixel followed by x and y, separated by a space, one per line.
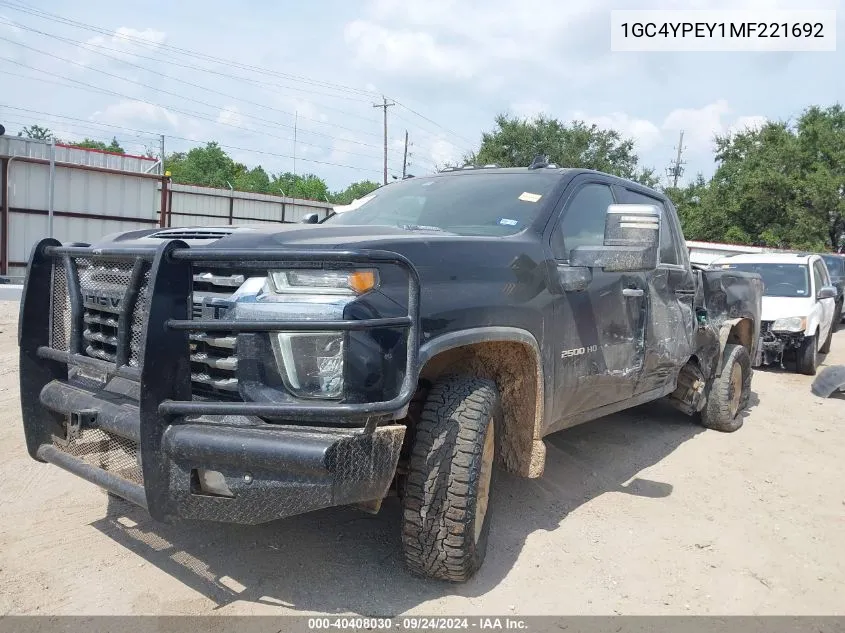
pixel 245 374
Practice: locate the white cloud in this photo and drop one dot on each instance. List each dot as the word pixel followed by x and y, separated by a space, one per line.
pixel 702 125
pixel 442 152
pixel 134 113
pixel 405 50
pixel 646 134
pixel 124 44
pixel 529 109
pixel 126 38
pixel 743 123
pixel 230 116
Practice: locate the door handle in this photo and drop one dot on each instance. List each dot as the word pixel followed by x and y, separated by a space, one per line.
pixel 632 292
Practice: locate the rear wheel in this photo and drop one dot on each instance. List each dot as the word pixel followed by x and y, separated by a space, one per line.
pixel 729 392
pixel 808 356
pixel 445 518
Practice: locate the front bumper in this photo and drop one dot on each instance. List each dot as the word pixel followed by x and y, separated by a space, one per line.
pixel 774 345
pixel 135 430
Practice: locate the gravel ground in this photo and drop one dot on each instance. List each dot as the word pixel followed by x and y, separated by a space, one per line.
pixel 637 513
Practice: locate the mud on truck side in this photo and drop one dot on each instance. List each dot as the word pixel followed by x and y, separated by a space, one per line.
pixel 246 374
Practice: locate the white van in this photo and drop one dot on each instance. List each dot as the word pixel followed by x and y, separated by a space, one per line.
pixel 798 306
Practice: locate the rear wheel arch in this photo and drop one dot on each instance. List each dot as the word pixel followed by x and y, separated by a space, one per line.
pixel 511 358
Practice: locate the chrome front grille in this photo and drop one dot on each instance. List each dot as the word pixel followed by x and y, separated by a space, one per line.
pixel 214 360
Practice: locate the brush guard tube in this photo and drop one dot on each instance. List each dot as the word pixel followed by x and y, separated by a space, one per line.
pixel 272 470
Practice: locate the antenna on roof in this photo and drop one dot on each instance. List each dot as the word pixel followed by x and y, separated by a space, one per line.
pixel 539 162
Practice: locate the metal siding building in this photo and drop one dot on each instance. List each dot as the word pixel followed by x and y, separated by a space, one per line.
pixel 98 193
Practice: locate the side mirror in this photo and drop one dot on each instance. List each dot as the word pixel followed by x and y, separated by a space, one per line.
pixel 310 218
pixel 631 240
pixel 826 292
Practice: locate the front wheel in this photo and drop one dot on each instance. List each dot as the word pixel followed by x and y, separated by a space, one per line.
pixel 825 349
pixel 808 356
pixel 445 518
pixel 729 392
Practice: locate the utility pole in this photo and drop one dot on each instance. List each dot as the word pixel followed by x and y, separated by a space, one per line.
pixel 405 159
pixel 384 105
pixel 163 216
pixel 295 124
pixel 676 169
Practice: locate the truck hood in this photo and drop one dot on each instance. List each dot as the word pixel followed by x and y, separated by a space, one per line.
pixel 441 253
pixel 782 307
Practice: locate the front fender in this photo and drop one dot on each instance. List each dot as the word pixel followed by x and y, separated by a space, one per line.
pixel 741 331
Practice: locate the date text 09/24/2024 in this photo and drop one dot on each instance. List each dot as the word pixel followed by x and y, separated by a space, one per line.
pixel 418 623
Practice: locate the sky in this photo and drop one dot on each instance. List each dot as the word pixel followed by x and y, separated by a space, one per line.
pixel 271 81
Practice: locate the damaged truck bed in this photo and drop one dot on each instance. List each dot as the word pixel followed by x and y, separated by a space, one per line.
pixel 447 324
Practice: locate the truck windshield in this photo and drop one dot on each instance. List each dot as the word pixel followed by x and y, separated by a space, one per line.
pixel 466 204
pixel 835 265
pixel 779 280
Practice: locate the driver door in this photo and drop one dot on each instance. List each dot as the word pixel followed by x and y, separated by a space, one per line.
pixel 597 333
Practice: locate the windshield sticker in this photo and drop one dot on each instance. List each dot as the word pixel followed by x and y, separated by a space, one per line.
pixel 526 196
pixel 508 222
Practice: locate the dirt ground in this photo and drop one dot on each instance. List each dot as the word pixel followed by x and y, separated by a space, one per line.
pixel 638 513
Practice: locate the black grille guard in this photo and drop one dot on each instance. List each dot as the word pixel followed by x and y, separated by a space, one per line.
pixel 168 321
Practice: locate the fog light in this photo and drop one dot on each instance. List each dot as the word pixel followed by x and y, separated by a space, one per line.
pixel 311 364
pixel 212 482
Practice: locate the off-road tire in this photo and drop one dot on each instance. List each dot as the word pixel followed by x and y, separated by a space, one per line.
pixel 825 349
pixel 449 478
pixel 807 358
pixel 724 407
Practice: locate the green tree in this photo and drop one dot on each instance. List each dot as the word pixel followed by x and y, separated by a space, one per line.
pixel 37 132
pixel 308 186
pixel 782 185
pixel 88 143
pixel 255 179
pixel 515 142
pixel 353 192
pixel 821 145
pixel 208 166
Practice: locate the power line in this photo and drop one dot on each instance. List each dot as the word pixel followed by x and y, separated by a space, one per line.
pixel 170 62
pixel 433 122
pixel 180 96
pixel 194 141
pixel 256 69
pixel 184 51
pixel 161 75
pixel 198 115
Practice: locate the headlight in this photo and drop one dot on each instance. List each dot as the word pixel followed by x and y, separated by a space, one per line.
pixel 311 364
pixel 324 282
pixel 790 324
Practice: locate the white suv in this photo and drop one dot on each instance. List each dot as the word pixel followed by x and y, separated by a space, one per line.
pixel 798 306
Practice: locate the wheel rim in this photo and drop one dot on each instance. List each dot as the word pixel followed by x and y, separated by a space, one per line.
pixel 484 478
pixel 736 390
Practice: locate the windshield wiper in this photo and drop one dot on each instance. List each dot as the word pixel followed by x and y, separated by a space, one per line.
pixel 421 227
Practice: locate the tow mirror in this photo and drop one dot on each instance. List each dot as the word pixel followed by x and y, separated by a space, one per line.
pixel 631 240
pixel 827 292
pixel 310 218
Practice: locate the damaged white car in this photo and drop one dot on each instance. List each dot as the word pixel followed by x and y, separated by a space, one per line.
pixel 798 307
